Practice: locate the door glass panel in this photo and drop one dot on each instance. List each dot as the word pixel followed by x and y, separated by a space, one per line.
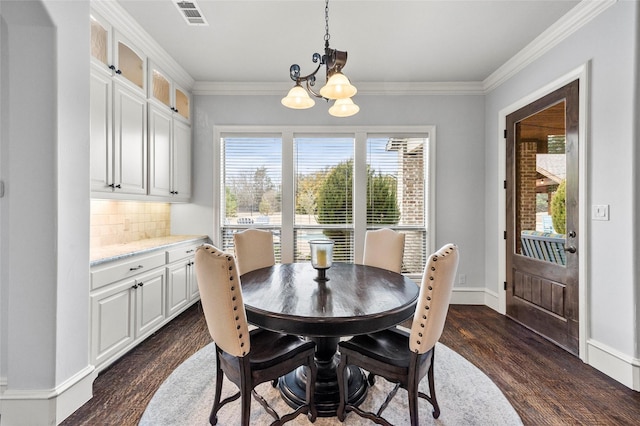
pixel 130 64
pixel 99 41
pixel 182 104
pixel 161 88
pixel 540 185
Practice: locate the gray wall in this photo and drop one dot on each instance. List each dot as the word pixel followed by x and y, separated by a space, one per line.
pixel 610 45
pixel 44 215
pixel 459 122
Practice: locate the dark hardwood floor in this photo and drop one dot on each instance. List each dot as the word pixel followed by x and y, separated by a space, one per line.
pixel 545 384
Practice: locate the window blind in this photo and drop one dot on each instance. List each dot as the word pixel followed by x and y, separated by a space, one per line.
pixel 324 195
pixel 396 193
pixel 252 186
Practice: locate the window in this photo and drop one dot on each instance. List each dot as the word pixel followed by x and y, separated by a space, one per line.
pixel 303 185
pixel 396 193
pixel 251 182
pixel 324 195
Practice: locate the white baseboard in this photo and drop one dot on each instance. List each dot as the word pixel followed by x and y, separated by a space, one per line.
pixel 47 406
pixel 467 296
pixel 623 368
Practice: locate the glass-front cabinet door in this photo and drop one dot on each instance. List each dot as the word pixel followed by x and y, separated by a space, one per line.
pixel 182 103
pixel 100 41
pixel 164 90
pixel 116 55
pixel 160 87
pixel 130 62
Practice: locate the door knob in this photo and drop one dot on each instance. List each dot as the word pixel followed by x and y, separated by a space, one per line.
pixel 572 234
pixel 570 249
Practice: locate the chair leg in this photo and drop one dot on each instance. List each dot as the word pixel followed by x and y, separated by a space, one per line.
pixel 432 388
pixel 413 401
pixel 213 417
pixel 371 379
pixel 245 399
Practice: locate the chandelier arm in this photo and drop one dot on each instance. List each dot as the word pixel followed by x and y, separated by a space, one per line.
pixel 313 92
pixel 295 74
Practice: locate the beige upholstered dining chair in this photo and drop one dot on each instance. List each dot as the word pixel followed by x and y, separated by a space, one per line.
pixel 246 358
pixel 384 248
pixel 253 250
pixel 400 357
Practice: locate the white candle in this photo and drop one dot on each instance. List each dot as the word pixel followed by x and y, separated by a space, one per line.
pixel 321 258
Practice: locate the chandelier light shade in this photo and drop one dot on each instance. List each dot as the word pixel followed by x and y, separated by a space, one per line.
pixel 298 98
pixel 344 108
pixel 338 87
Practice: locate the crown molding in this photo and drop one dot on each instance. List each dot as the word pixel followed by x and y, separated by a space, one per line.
pixel 125 24
pixel 571 22
pixel 369 88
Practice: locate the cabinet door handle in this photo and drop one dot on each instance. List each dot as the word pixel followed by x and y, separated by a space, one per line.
pixel 134 286
pixel 140 284
pixel 135 268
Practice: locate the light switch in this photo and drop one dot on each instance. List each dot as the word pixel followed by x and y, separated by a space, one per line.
pixel 600 212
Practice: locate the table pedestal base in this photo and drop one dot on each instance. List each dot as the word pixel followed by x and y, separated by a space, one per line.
pixel 327 395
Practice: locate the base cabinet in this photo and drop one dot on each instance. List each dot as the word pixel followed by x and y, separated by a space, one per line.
pixel 181 279
pixel 134 297
pixel 123 312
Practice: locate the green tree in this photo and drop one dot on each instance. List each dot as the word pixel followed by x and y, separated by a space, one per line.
pixel 335 200
pixel 269 202
pixel 261 184
pixel 559 208
pixel 382 199
pixel 307 189
pixel 230 203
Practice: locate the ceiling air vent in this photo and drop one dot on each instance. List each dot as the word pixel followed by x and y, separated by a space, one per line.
pixel 191 13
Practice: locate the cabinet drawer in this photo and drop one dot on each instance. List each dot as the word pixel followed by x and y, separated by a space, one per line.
pixel 116 271
pixel 183 252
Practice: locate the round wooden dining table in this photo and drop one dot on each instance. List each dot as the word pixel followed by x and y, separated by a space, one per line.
pixel 356 299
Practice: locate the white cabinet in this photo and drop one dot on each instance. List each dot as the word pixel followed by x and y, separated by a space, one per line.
pixel 118 138
pixel 116 55
pixel 169 155
pixel 112 321
pixel 150 296
pixel 182 287
pixel 140 122
pixel 125 311
pixel 169 94
pixel 134 296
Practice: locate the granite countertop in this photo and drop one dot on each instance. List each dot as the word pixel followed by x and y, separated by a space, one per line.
pixel 119 251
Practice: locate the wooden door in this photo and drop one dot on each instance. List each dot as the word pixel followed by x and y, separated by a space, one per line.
pixel 542 224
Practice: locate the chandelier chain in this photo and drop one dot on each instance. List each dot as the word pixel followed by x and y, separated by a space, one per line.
pixel 326 23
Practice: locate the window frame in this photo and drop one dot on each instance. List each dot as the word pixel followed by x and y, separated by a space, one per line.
pixel 360 135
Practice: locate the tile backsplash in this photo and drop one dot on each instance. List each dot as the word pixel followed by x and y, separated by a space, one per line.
pixel 119 222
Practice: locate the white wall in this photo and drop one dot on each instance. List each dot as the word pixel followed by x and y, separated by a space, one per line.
pixel 44 257
pixel 459 122
pixel 608 45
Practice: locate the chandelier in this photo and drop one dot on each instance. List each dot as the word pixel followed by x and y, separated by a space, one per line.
pixel 337 88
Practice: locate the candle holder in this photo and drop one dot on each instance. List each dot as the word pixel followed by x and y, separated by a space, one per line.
pixel 321 257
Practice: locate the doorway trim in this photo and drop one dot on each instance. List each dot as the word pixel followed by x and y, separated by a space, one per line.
pixel 582 74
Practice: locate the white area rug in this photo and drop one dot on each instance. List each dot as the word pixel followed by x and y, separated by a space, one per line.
pixel 465 394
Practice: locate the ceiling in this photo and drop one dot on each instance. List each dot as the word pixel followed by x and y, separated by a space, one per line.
pixel 416 41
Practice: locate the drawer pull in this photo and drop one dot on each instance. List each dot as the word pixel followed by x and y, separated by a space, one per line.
pixel 135 268
pixel 190 251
